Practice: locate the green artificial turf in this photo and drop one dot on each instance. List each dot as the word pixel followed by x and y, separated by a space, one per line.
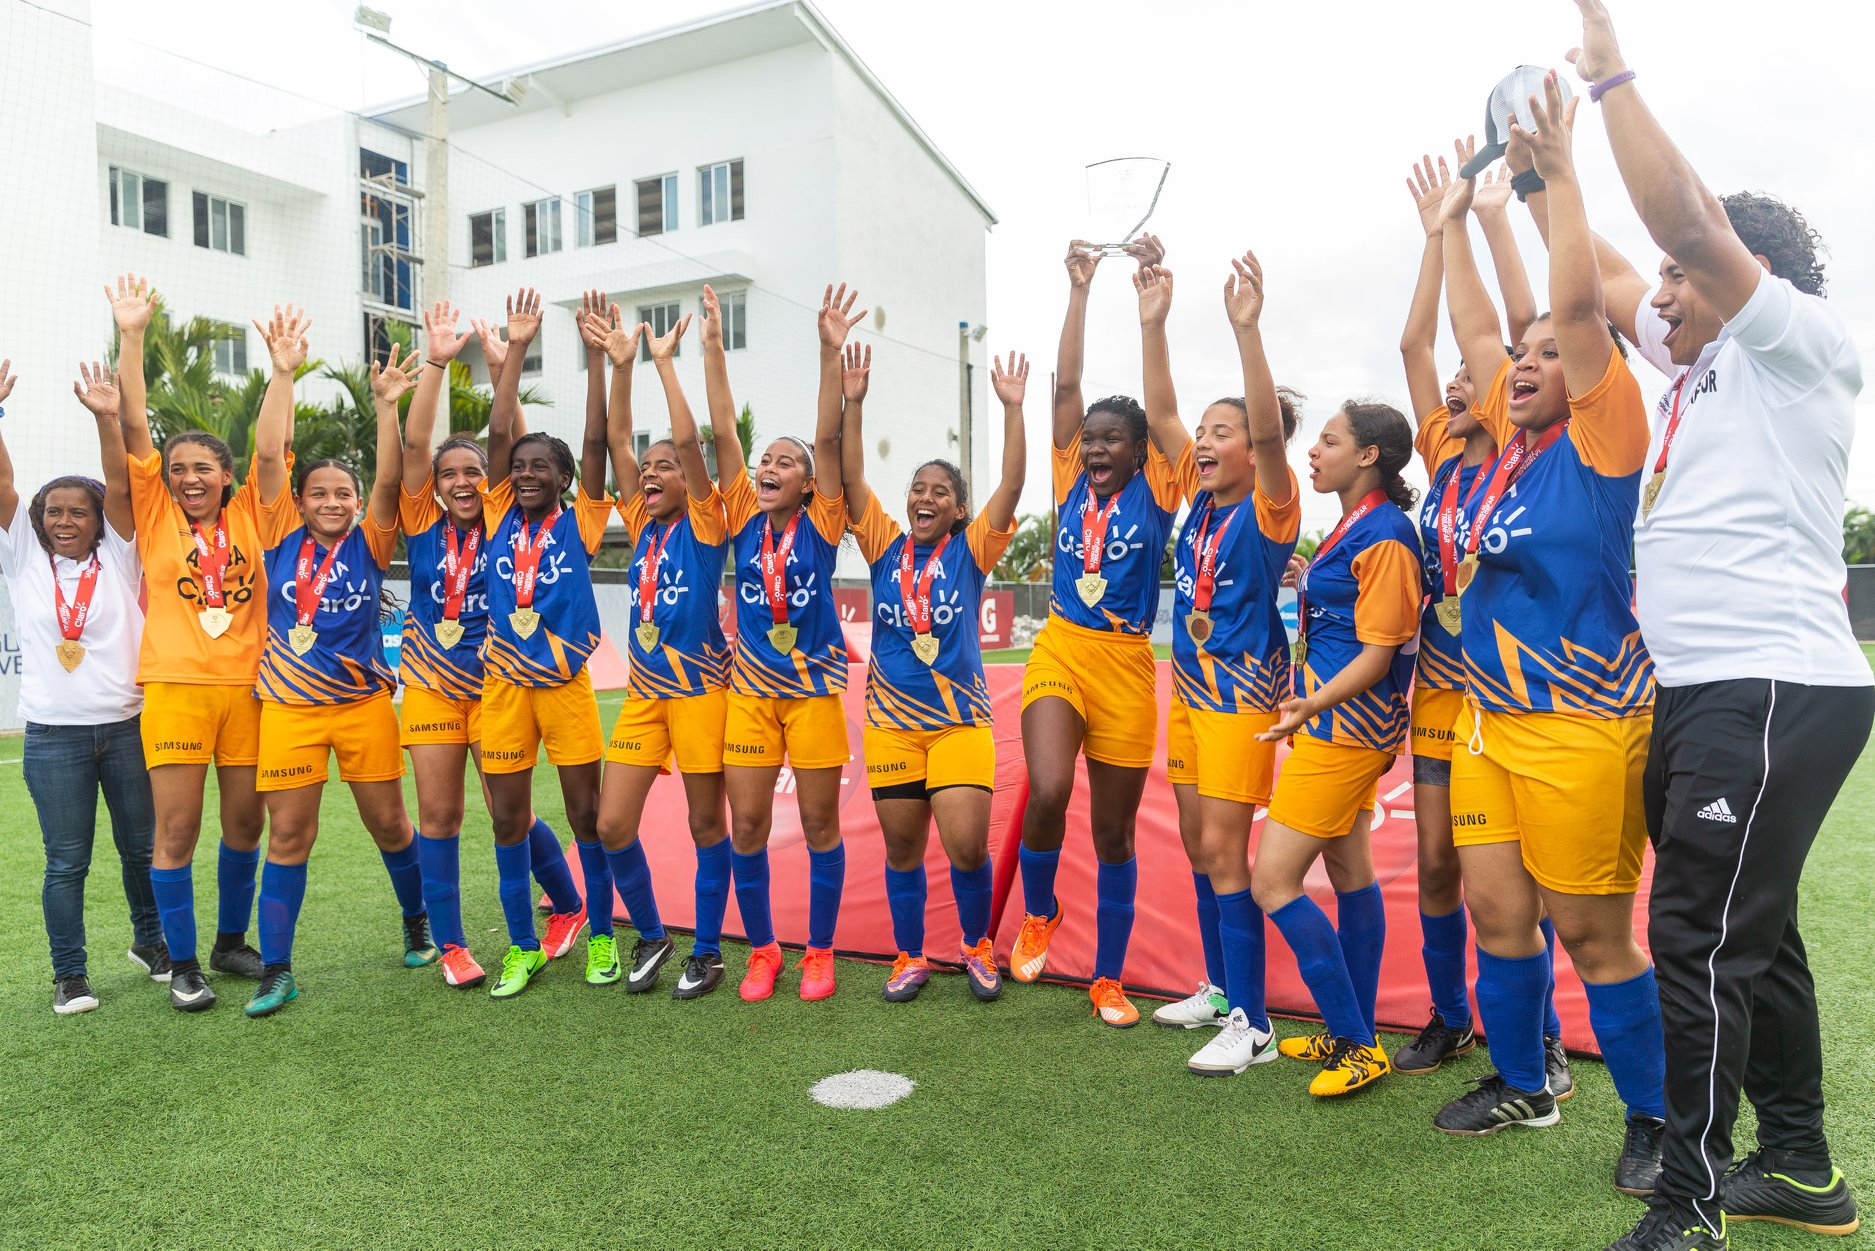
pixel 384 1110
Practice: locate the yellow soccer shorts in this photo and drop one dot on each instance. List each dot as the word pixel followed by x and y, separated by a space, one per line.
pixel 1435 712
pixel 649 731
pixel 188 724
pixel 1218 752
pixel 431 719
pixel 516 720
pixel 808 733
pixel 956 755
pixel 1567 788
pixel 297 740
pixel 1108 678
pixel 1325 785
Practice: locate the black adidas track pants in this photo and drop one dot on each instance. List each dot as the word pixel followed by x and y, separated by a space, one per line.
pixel 1740 775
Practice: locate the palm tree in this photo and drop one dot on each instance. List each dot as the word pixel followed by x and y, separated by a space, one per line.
pixel 1030 554
pixel 1858 536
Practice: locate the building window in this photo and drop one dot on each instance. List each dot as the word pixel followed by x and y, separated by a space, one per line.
pixel 598 216
pixel 543 226
pixel 231 354
pixel 220 224
pixel 735 306
pixel 139 203
pixel 488 238
pixel 531 363
pixel 387 239
pixel 661 318
pixel 657 204
pixel 720 192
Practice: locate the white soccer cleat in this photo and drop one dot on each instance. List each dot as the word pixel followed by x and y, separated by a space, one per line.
pixel 1237 1046
pixel 1204 1006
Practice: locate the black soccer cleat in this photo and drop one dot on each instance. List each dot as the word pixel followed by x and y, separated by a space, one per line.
pixel 1436 1043
pixel 189 990
pixel 1562 1082
pixel 1757 1189
pixel 1665 1229
pixel 648 957
pixel 153 959
pixel 702 971
pixel 1493 1104
pixel 240 961
pixel 1638 1168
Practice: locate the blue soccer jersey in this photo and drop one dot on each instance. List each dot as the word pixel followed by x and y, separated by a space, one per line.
pixel 689 654
pixel 346 660
pixel 568 630
pixel 1132 549
pixel 1243 665
pixel 816 664
pixel 902 692
pixel 1455 486
pixel 452 672
pixel 1363 589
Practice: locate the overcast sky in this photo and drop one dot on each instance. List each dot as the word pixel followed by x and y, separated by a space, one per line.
pixel 1289 128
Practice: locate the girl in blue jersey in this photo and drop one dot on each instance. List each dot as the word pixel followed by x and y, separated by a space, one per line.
pixel 1546 794
pixel 930 749
pixel 1358 612
pixel 675 701
pixel 790 664
pixel 1089 685
pixel 1230 654
pixel 440 659
pixel 323 684
pixel 543 624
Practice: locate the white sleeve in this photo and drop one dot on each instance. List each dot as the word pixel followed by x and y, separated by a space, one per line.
pixel 124 551
pixel 1650 334
pixel 1794 338
pixel 18 542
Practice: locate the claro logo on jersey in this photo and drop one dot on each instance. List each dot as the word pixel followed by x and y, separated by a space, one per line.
pixel 1504 525
pixel 237 583
pixel 1119 541
pixel 946 607
pixel 801 594
pixel 341 595
pixel 1188 561
pixel 671 584
pixel 554 561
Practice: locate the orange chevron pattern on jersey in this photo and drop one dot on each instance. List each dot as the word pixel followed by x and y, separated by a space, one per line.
pixel 1574 679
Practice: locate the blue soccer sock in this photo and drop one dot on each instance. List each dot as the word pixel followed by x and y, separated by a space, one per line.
pixel 174 891
pixel 1626 1020
pixel 972 889
pixel 282 891
pixel 517 900
pixel 234 887
pixel 1552 1024
pixel 712 887
pixel 548 862
pixel 826 881
pixel 596 872
pixel 1038 880
pixel 905 893
pixel 441 859
pixel 1510 1007
pixel 1362 929
pixel 1442 947
pixel 751 875
pixel 1208 930
pixel 1240 931
pixel 631 873
pixel 1306 929
pixel 1115 885
pixel 406 870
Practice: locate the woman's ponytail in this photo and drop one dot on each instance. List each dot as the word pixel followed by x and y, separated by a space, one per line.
pixel 1384 427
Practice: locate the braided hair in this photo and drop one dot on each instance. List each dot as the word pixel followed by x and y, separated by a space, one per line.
pixel 557 449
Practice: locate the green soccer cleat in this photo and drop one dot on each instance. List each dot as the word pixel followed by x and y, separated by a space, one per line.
pixel 419 950
pixel 602 966
pixel 276 990
pixel 517 970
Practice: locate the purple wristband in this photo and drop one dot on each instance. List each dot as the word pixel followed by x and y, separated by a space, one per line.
pixel 1600 89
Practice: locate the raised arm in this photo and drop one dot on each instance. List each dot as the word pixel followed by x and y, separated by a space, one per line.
pixel 285 336
pixel 1069 409
pixel 593 447
pixel 621 348
pixel 1474 317
pixel 1575 284
pixel 683 421
pixel 133 303
pixel 1263 412
pixel 390 382
pixel 504 411
pixel 1154 285
pixel 1011 384
pixel 716 393
pixel 9 493
pixel 441 345
pixel 1684 218
pixel 1623 286
pixel 101 395
pixel 1427 186
pixel 836 320
pixel 1491 205
pixel 855 378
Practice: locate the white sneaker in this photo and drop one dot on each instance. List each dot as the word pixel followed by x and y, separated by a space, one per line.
pixel 1204 1006
pixel 1238 1046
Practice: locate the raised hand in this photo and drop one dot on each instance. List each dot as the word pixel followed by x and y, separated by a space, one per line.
pixel 1458 195
pixel 494 351
pixel 1292 573
pixel 1147 250
pixel 132 303
pixel 837 316
pixel 440 341
pixel 1243 292
pixel 285 336
pixel 1154 285
pixel 7 379
pixel 96 389
pixel 1083 259
pixel 593 320
pixel 664 346
pixel 855 372
pixel 523 318
pixel 712 318
pixel 1599 58
pixel 1493 193
pixel 392 379
pixel 621 342
pixel 1010 382
pixel 1550 146
pixel 1427 186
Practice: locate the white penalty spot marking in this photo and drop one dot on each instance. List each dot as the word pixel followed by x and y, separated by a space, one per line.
pixel 861 1088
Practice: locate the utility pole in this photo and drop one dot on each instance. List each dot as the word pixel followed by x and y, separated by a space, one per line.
pixel 965 434
pixel 436 199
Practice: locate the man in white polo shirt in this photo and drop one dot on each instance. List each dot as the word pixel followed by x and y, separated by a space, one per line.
pixel 1765 700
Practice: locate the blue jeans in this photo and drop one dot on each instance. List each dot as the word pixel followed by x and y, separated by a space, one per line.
pixel 65 767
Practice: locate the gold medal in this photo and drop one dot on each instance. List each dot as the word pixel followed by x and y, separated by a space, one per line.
pixel 1198 624
pixel 301 638
pixel 71 653
pixel 1091 586
pixel 1447 610
pixel 215 621
pixel 1467 570
pixel 448 633
pixel 1651 493
pixel 647 635
pixel 781 637
pixel 1302 651
pixel 525 621
pixel 925 648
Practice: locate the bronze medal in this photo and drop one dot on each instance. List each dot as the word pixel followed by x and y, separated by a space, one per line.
pixel 647 636
pixel 1091 587
pixel 781 638
pixel 925 648
pixel 1447 610
pixel 1651 493
pixel 301 638
pixel 525 621
pixel 1467 570
pixel 71 653
pixel 1198 624
pixel 448 633
pixel 215 621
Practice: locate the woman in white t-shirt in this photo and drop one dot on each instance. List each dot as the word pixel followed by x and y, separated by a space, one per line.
pixel 74 576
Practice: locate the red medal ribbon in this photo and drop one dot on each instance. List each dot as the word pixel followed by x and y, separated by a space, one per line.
pixel 72 617
pixel 1372 500
pixel 1512 465
pixel 1204 560
pixel 212 556
pixel 648 580
pixel 1448 530
pixel 1673 423
pixel 917 595
pixel 457 567
pixel 775 568
pixel 1094 529
pixel 527 559
pixel 308 590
